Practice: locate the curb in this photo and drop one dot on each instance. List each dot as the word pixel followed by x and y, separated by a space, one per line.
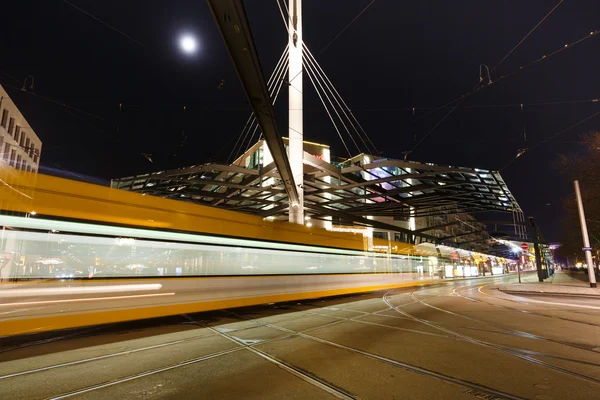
pixel 516 292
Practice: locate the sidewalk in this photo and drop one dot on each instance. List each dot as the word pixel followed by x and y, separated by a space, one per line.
pixel 560 283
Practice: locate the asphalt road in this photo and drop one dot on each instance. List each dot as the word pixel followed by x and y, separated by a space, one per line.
pixel 455 340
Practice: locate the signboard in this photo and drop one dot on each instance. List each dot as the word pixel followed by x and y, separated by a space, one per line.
pixel 524 246
pixel 587 249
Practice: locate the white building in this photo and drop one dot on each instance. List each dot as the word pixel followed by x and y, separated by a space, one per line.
pixel 20 147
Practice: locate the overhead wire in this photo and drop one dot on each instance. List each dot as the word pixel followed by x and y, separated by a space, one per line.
pixel 346 27
pixel 109 26
pixel 526 36
pixel 10 76
pixel 497 65
pixel 508 105
pixel 525 151
pixel 381 109
pixel 483 86
pixel 57 102
pixel 406 154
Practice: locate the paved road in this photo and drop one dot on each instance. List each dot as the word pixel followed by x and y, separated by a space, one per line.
pixel 457 340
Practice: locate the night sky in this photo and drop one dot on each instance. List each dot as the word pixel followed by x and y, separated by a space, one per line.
pixel 397 55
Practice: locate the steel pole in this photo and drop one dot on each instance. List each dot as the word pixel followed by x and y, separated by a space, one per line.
pixel 536 248
pixel 295 113
pixel 586 239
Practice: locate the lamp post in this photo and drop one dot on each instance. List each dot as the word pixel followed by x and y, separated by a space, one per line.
pixel 586 240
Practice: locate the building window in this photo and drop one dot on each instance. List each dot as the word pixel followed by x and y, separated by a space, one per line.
pixel 22 140
pixel 27 146
pixel 4 118
pixel 18 162
pixel 31 150
pixel 17 133
pixel 1 143
pixel 6 150
pixel 13 154
pixel 35 156
pixel 11 125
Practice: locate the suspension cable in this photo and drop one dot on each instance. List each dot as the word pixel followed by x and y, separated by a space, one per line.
pixel 309 67
pixel 325 88
pixel 350 116
pixel 309 73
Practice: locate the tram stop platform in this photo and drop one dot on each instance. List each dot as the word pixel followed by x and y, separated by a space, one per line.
pixel 560 283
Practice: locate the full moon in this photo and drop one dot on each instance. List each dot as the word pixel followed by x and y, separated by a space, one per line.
pixel 188 44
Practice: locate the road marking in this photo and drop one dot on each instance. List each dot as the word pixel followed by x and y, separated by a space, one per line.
pixel 563 304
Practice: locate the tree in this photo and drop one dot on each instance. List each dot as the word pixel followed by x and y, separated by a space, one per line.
pixel 585 168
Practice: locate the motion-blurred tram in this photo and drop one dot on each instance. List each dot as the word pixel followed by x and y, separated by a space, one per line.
pixel 101 255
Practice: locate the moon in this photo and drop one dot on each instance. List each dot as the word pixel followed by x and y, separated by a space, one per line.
pixel 188 44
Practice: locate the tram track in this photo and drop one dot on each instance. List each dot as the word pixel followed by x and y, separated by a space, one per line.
pixel 516 349
pixel 482 389
pixel 494 346
pixel 527 311
pixel 154 371
pixel 300 371
pixel 505 330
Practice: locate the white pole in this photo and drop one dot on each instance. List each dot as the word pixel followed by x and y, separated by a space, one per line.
pixel 586 239
pixel 296 150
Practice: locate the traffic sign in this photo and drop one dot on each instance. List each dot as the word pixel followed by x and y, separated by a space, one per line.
pixel 524 246
pixel 587 249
